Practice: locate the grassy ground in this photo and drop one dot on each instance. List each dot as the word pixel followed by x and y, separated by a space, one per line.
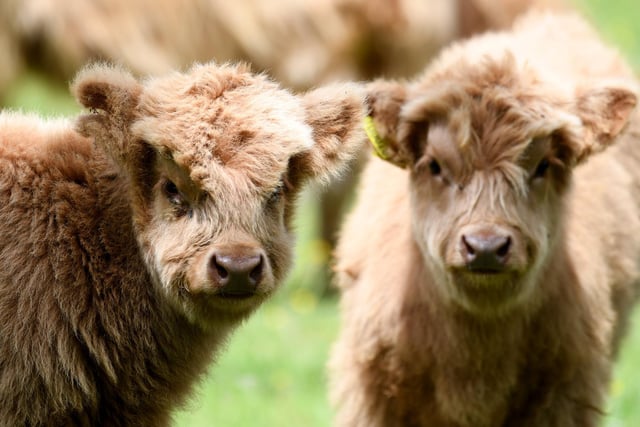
pixel 273 372
pixel 624 402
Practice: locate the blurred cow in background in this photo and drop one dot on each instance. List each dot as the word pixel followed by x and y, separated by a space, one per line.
pixel 301 43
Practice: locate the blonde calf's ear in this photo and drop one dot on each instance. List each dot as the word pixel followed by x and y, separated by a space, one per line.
pixel 604 112
pixel 110 93
pixel 335 114
pixel 385 100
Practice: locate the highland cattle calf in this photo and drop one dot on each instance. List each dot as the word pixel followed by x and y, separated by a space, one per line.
pixel 132 245
pixel 490 264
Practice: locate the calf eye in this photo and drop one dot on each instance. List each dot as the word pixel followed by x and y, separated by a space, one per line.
pixel 541 169
pixel 275 196
pixel 172 193
pixel 434 167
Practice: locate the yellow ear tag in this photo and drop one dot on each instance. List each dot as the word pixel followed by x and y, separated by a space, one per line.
pixel 379 143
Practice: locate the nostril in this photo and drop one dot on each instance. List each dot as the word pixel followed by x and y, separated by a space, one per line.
pixel 503 249
pixel 467 246
pixel 256 273
pixel 222 272
pixel 218 269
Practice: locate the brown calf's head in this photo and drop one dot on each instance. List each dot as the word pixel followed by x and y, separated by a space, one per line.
pixel 214 159
pixel 489 149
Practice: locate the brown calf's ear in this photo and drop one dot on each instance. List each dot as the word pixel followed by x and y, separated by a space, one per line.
pixel 335 115
pixel 385 100
pixel 110 93
pixel 604 112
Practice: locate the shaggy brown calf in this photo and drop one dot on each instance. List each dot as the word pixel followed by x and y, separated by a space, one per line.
pixel 125 261
pixel 486 283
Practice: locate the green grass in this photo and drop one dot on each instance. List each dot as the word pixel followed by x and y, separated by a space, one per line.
pixel 624 401
pixel 273 371
pixel 33 92
pixel 619 23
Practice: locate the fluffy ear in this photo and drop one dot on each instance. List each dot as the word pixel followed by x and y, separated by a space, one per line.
pixel 335 115
pixel 604 112
pixel 385 99
pixel 110 94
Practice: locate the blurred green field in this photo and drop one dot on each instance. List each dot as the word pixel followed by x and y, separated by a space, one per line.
pixel 272 373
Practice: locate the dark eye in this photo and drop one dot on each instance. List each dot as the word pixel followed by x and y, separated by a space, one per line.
pixel 434 167
pixel 541 169
pixel 172 193
pixel 276 195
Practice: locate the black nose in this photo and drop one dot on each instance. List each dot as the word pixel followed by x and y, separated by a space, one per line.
pixel 236 272
pixel 486 252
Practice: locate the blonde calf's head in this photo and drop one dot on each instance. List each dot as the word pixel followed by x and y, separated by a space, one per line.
pixel 490 148
pixel 214 159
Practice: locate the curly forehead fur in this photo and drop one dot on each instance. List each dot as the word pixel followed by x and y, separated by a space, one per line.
pixel 565 70
pixel 233 116
pixel 493 110
pixel 217 122
pixel 499 91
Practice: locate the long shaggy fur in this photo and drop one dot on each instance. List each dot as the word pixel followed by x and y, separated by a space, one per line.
pixel 109 307
pixel 531 133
